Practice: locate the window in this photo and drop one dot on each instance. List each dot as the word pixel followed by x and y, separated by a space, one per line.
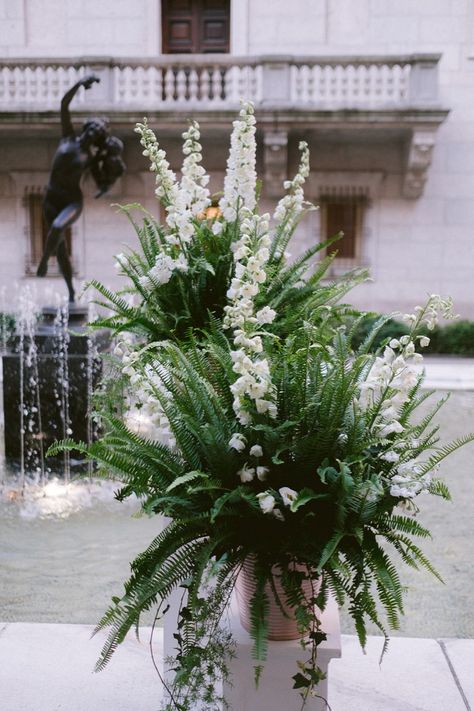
pixel 343 215
pixel 195 26
pixel 37 233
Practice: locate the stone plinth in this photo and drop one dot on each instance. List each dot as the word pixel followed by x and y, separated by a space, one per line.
pixel 275 692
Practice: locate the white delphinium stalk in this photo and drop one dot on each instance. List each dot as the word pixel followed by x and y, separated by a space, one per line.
pixel 429 314
pixel 162 271
pixel 387 388
pixel 241 178
pixel 388 385
pixel 250 256
pixel 144 413
pixel 193 195
pixel 409 481
pixel 291 204
pixel 182 202
pixel 166 186
pixel 194 178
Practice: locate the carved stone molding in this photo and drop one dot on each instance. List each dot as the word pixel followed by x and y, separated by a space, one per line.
pixel 420 153
pixel 275 144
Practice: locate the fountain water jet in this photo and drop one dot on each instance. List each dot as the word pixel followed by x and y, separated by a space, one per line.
pixel 50 367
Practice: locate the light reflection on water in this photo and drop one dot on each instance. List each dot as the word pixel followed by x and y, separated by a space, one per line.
pixel 56 499
pixel 65 549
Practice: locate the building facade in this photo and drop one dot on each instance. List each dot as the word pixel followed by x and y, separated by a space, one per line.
pixel 383 92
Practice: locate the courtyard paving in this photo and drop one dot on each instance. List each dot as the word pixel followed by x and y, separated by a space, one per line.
pixel 48 667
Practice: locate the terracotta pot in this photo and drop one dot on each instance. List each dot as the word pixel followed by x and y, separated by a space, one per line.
pixel 280 626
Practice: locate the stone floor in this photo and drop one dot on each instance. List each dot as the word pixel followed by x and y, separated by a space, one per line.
pixel 48 667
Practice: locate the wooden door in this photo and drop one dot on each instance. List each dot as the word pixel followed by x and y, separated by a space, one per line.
pixel 195 26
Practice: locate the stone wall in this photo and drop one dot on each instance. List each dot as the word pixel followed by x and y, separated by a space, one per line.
pixel 411 246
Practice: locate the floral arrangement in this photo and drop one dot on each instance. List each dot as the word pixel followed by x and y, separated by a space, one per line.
pixel 254 425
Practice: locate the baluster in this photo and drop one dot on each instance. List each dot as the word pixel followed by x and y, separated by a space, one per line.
pixel 242 82
pixel 22 84
pixel 304 84
pixel 193 86
pixel 16 83
pixel 28 73
pixel 311 85
pixel 399 83
pixel 169 85
pixel 148 86
pixel 231 84
pixel 156 86
pixel 226 88
pixel 405 83
pixel 315 84
pixel 135 76
pixel 326 83
pixel 205 85
pixel 134 83
pixel 60 79
pixel 33 90
pixel 126 84
pixel 216 84
pixel 129 84
pixel 147 83
pixel 362 83
pixel 258 75
pixel 295 83
pixel 46 93
pixel 70 77
pixel 255 83
pixel 3 84
pixel 376 84
pixel 55 89
pixel 138 81
pixel 339 85
pixel 385 83
pixel 115 88
pixel 349 76
pixel 293 80
pixel 181 85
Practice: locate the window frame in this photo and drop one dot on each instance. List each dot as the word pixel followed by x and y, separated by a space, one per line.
pixel 361 203
pixel 35 232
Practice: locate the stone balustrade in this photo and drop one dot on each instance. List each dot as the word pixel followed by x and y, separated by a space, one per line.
pixel 210 82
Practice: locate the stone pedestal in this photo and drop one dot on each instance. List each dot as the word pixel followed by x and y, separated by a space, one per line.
pixel 275 692
pixel 48 377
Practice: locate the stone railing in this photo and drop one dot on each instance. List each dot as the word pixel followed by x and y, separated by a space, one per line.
pixel 209 82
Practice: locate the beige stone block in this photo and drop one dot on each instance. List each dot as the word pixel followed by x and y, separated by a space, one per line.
pixel 443 29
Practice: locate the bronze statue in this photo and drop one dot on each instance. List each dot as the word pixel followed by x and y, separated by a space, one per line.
pixel 94 150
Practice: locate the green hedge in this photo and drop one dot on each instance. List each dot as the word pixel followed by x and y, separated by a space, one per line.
pixel 455 338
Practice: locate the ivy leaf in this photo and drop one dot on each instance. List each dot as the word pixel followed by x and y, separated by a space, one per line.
pixel 301 681
pixel 318 637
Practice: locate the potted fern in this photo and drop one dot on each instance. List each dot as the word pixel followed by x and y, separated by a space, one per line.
pixel 286 460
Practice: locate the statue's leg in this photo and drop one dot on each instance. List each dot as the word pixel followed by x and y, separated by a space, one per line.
pixel 62 221
pixel 65 267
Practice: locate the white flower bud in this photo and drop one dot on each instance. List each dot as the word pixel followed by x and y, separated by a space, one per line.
pixel 266 502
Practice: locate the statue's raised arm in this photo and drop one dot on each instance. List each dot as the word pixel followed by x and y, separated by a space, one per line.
pixel 66 123
pixel 93 150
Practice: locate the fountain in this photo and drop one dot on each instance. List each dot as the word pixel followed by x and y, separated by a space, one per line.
pixel 51 365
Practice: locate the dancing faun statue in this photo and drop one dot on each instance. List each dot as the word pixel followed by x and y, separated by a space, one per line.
pixel 94 151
